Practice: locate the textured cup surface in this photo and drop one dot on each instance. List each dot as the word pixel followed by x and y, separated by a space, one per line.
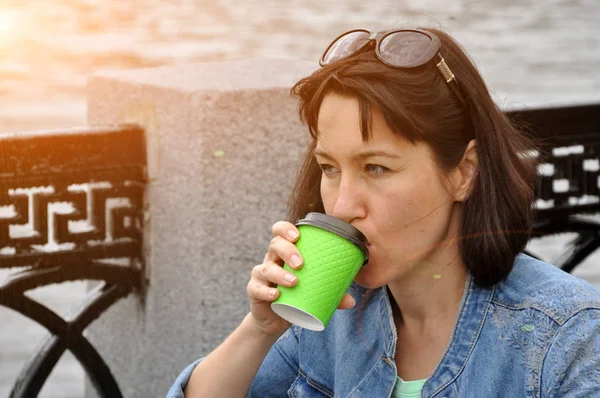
pixel 331 263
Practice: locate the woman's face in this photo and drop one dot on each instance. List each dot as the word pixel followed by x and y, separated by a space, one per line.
pixel 387 188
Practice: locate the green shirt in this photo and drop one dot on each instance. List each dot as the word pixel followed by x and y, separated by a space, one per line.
pixel 408 389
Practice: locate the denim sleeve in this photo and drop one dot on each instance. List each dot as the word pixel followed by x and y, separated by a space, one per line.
pixel 572 365
pixel 176 390
pixel 279 369
pixel 274 377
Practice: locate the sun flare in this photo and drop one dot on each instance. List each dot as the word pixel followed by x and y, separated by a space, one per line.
pixel 8 21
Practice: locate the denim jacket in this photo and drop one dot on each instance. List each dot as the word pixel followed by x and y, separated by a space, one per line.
pixel 536 334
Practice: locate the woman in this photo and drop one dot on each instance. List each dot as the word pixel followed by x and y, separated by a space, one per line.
pixel 409 148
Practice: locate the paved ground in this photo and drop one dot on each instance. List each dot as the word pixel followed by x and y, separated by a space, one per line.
pixel 20 336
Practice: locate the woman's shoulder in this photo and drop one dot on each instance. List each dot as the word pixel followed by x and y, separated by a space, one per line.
pixel 540 285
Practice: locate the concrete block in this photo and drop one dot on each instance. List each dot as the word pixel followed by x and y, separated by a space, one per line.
pixel 224 141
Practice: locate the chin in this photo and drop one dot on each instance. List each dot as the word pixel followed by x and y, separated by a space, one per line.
pixel 367 280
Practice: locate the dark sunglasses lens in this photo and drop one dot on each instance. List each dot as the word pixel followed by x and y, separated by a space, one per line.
pixel 346 45
pixel 406 49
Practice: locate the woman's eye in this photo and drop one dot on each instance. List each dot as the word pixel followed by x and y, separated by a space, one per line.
pixel 327 169
pixel 376 170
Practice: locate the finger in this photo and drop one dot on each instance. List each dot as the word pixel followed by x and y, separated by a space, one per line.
pixel 286 230
pixel 281 249
pixel 260 292
pixel 274 274
pixel 347 302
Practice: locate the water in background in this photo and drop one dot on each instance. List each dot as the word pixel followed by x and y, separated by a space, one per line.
pixel 530 52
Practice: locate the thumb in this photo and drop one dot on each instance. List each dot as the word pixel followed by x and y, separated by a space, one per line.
pixel 347 302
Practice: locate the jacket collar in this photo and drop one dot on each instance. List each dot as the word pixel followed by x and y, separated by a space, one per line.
pixel 472 312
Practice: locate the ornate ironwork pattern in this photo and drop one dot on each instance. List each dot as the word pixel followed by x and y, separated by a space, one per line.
pixel 71 208
pixel 567 183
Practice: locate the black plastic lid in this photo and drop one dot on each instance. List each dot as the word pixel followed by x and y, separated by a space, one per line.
pixel 339 227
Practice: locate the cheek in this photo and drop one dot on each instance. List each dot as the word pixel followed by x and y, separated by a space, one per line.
pixel 424 194
pixel 403 206
pixel 411 216
pixel 327 197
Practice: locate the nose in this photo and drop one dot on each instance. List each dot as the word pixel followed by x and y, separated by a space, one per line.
pixel 348 201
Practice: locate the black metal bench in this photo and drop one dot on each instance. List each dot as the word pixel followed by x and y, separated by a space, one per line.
pixel 85 168
pixel 113 161
pixel 562 129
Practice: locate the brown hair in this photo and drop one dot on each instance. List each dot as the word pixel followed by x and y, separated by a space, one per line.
pixel 418 105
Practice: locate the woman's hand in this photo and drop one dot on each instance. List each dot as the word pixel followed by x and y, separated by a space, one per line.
pixel 261 288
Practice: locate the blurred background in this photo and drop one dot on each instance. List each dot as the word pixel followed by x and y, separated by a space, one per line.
pixel 531 53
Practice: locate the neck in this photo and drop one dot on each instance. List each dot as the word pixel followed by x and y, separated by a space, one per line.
pixel 431 295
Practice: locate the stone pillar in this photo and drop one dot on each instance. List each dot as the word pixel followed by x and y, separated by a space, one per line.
pixel 224 141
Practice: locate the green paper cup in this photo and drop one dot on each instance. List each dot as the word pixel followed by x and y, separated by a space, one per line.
pixel 333 252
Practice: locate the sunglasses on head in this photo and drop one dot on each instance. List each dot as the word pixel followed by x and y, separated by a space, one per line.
pixel 400 48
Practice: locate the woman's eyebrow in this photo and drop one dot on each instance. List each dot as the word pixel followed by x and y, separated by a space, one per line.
pixel 361 155
pixel 323 154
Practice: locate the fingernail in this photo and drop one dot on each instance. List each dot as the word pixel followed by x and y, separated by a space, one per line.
pixel 273 292
pixel 296 261
pixel 292 234
pixel 290 278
